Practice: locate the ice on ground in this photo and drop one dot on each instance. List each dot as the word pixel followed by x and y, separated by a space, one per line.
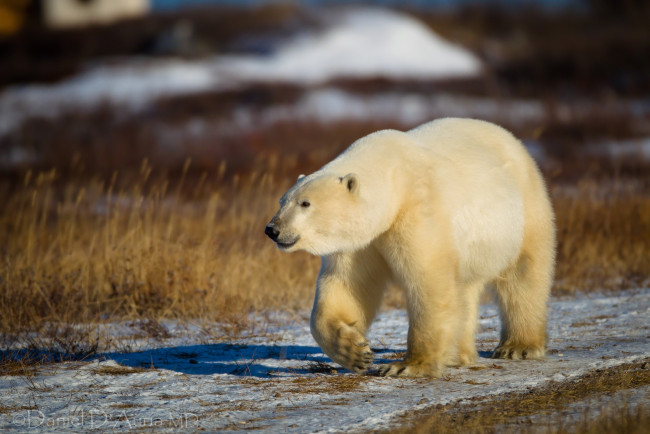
pixel 281 381
pixel 357 42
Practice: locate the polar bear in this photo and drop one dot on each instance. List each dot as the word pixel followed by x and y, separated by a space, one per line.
pixel 443 210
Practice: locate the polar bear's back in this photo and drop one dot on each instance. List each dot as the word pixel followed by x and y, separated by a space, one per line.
pixel 490 185
pixel 478 152
pixel 484 142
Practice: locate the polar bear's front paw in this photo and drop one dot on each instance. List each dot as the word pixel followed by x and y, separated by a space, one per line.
pixel 351 350
pixel 517 352
pixel 410 369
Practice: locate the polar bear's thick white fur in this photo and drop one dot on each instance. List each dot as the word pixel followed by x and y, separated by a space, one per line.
pixel 443 210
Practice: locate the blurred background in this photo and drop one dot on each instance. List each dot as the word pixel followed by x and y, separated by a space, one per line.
pixel 108 83
pixel 144 143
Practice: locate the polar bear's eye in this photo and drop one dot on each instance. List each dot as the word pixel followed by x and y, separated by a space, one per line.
pixel 305 204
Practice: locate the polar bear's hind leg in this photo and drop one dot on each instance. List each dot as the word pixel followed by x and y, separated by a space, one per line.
pixel 522 293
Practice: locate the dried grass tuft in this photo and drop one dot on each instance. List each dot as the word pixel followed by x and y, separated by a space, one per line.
pixel 88 252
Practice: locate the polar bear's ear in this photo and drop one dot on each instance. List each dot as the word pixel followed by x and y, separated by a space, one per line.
pixel 300 176
pixel 351 181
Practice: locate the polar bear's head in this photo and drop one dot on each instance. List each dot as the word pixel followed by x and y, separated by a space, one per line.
pixel 321 214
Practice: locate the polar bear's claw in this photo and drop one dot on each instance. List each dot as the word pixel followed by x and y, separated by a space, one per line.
pixel 351 350
pixel 517 352
pixel 407 369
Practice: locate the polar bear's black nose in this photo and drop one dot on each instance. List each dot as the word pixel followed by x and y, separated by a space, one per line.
pixel 272 232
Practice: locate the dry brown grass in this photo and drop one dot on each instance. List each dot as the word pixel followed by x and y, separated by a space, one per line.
pixel 329 384
pixel 612 419
pixel 18 364
pixel 604 235
pixel 541 409
pixel 84 251
pixel 117 370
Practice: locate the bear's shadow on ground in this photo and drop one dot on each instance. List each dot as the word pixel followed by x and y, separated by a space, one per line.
pixel 235 359
pixel 241 360
pixel 222 358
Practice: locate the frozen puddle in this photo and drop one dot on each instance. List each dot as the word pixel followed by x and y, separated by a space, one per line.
pixel 286 384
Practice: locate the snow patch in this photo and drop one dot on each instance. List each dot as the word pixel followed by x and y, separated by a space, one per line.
pixel 279 381
pixel 131 85
pixel 365 42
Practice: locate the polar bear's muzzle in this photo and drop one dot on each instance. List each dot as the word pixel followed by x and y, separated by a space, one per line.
pixel 283 241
